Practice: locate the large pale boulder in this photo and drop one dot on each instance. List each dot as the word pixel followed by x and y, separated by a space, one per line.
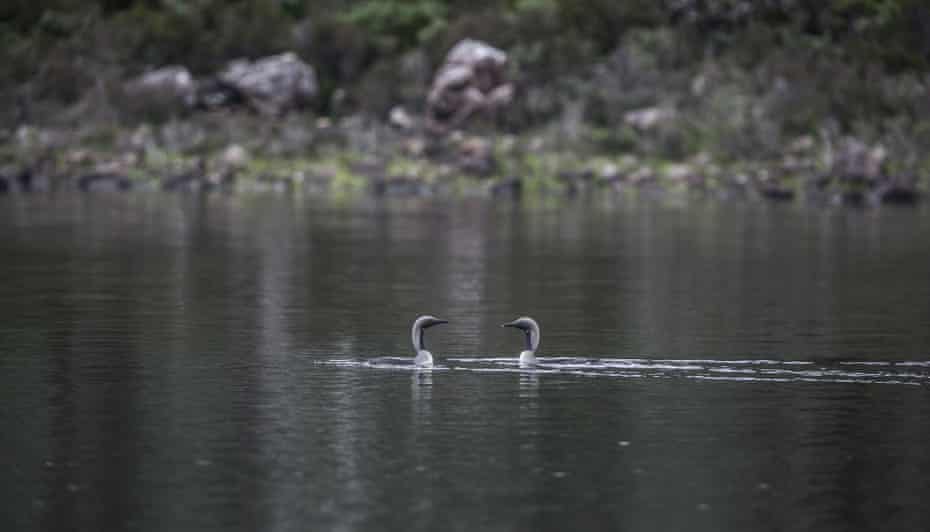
pixel 273 85
pixel 167 85
pixel 472 79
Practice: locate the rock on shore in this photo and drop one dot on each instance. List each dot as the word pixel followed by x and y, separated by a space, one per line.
pixel 272 85
pixel 471 80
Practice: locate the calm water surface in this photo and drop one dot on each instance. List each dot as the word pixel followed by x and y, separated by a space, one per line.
pixel 224 363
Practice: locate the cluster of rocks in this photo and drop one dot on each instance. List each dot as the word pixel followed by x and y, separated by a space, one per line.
pixel 856 173
pixel 859 174
pixel 472 81
pixel 271 86
pixel 11 180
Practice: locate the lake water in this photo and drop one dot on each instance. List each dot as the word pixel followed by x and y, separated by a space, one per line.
pixel 232 363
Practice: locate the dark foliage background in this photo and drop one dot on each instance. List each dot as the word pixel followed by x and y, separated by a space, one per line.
pixel 743 77
pixel 60 48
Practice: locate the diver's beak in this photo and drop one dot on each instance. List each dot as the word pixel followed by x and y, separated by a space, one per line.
pixel 510 324
pixel 434 323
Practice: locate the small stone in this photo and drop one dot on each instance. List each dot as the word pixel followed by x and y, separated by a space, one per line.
pixel 649 118
pixel 166 83
pixel 642 175
pixel 400 118
pixel 609 172
pixel 698 85
pixel 415 147
pixel 476 156
pixel 679 172
pixel 234 156
pixel 802 144
pixel 79 157
pixel 623 443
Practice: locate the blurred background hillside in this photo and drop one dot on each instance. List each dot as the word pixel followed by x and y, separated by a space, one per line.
pixel 55 50
pixel 718 79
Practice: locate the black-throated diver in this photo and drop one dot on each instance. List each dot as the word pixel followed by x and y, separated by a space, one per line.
pixel 531 329
pixel 424 358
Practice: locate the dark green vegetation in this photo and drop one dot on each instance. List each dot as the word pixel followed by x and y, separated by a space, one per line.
pixel 782 93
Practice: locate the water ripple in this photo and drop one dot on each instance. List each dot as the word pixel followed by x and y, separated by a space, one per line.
pixel 915 373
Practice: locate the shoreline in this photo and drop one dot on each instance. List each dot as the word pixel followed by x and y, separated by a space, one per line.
pixel 239 153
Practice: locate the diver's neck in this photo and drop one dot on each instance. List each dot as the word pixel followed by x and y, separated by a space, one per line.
pixel 419 340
